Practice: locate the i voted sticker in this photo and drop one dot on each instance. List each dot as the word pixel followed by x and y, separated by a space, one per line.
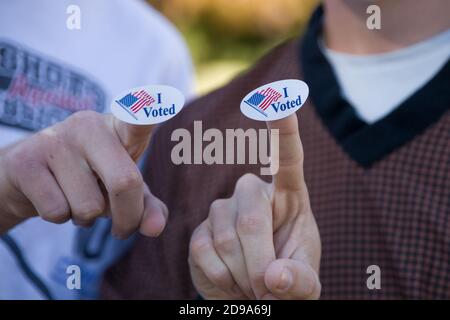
pixel 147 104
pixel 275 100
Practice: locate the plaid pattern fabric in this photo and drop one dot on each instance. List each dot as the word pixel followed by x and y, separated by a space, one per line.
pixel 394 214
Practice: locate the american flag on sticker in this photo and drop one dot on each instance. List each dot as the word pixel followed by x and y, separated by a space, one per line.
pixel 261 100
pixel 135 101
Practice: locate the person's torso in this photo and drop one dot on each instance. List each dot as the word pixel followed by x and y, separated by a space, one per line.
pixel 380 192
pixel 48 71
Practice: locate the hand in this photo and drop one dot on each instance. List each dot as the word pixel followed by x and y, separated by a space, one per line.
pixel 263 242
pixel 80 169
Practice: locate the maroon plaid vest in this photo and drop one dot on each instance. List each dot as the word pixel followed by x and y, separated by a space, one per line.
pixel 380 192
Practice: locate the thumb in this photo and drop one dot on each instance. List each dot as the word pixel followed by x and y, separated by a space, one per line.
pixel 292 280
pixel 134 138
pixel 155 215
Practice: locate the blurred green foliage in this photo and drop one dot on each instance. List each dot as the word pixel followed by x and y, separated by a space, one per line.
pixel 226 36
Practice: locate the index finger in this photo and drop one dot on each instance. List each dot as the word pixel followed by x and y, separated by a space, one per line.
pixel 121 177
pixel 255 232
pixel 288 154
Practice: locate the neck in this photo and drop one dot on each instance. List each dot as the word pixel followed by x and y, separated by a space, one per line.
pixel 403 23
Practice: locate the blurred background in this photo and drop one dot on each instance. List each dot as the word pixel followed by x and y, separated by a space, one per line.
pixel 227 36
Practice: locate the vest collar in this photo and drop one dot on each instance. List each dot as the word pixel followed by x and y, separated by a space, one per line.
pixel 368 143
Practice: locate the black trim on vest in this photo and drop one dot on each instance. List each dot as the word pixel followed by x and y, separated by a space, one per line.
pixel 368 143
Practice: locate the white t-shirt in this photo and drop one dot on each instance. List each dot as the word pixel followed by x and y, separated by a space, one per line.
pixel 47 72
pixel 376 84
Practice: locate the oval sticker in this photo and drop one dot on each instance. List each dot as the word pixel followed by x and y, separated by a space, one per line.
pixel 275 100
pixel 147 104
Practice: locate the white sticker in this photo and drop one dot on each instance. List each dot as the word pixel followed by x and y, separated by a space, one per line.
pixel 147 104
pixel 275 100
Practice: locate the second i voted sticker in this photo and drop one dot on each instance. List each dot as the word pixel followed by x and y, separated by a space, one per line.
pixel 147 104
pixel 275 100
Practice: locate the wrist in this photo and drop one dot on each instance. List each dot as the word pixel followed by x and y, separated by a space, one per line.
pixel 8 216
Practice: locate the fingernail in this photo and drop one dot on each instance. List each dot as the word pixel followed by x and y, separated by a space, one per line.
pixel 285 280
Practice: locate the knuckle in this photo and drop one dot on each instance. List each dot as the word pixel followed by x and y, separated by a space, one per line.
pixel 220 277
pixel 56 214
pixel 53 142
pixel 249 223
pixel 247 180
pixel 219 208
pixel 50 135
pixel 127 180
pixel 225 241
pixel 88 211
pixel 199 245
pixel 28 156
pixel 22 160
pixel 219 205
pixel 51 205
pixel 81 117
pixel 86 119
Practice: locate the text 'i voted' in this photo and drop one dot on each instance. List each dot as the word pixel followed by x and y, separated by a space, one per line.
pixel 147 104
pixel 275 100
